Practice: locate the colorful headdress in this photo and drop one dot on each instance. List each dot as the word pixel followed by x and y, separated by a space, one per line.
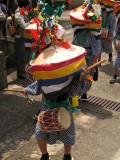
pixel 56 66
pixel 116 11
pixel 87 16
pixel 45 29
pixel 108 4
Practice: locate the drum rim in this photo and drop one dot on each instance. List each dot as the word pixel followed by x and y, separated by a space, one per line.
pixel 65 110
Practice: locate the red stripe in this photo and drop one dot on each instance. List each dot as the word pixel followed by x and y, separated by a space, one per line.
pixel 54 66
pixel 29 30
pixel 86 21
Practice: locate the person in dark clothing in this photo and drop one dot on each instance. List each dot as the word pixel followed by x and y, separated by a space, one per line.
pixel 11 6
pixel 21 22
pixel 3 23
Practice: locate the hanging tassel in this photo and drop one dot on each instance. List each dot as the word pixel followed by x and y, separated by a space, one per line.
pixel 29 101
pixel 74 106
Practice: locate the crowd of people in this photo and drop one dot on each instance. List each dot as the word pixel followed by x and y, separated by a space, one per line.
pixel 94 44
pixel 10 7
pixel 108 20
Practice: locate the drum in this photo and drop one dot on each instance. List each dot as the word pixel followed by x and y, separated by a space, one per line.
pixel 104 33
pixel 29 73
pixel 57 119
pixel 56 66
pixel 118 45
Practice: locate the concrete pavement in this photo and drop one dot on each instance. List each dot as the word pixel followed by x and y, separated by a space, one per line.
pixel 97 129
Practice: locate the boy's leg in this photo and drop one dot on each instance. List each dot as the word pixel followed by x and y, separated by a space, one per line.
pixel 67 155
pixel 115 70
pixel 67 149
pixel 113 79
pixel 99 57
pixel 42 145
pixel 110 57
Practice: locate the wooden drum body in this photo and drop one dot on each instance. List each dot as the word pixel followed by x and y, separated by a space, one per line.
pixel 57 119
pixel 29 73
pixel 104 33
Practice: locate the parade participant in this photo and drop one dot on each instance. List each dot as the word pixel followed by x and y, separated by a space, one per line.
pixel 108 27
pixel 79 87
pixel 3 21
pixel 86 25
pixel 116 45
pixel 21 22
pixel 56 73
pixel 61 74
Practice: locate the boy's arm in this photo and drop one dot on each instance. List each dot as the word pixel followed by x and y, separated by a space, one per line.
pixel 96 47
pixel 33 89
pixel 80 86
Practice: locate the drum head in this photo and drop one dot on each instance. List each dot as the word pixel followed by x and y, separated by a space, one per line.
pixel 64 118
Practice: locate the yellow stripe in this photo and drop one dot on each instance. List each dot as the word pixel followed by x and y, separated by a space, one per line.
pixel 116 10
pixel 60 72
pixel 28 35
pixel 74 22
pixel 95 26
pixel 109 3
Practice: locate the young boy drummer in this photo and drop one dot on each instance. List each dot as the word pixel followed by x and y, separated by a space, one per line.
pixel 108 27
pixel 78 87
pixel 58 82
pixel 116 45
pixel 87 32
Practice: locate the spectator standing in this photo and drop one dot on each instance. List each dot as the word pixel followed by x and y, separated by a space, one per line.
pixel 89 38
pixel 21 22
pixel 108 24
pixel 3 23
pixel 116 47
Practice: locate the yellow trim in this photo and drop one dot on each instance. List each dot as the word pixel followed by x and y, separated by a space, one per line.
pixel 28 35
pixel 60 72
pixel 96 26
pixel 90 25
pixel 109 3
pixel 74 22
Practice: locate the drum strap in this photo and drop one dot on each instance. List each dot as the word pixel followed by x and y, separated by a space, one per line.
pixel 104 22
pixel 55 104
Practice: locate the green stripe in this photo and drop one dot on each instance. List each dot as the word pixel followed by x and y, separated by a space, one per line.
pixel 84 38
pixel 104 23
pixel 54 104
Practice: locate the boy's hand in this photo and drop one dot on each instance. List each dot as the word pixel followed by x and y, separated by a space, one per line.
pixel 24 92
pixel 85 71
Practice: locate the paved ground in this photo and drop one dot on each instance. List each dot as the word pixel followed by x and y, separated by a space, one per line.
pixel 97 129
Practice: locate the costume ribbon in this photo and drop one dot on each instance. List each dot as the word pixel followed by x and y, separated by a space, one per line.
pixel 74 106
pixel 29 101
